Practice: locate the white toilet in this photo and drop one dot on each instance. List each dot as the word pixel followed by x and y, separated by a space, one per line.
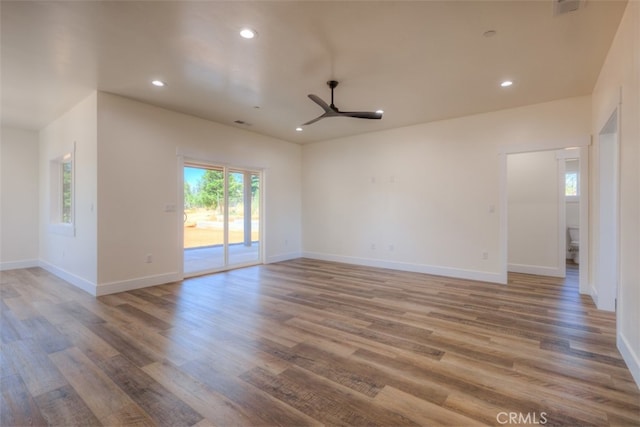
pixel 574 243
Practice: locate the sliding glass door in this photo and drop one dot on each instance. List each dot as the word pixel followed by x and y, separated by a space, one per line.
pixel 221 218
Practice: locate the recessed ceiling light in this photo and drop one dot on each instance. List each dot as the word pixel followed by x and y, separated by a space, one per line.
pixel 247 33
pixel 506 83
pixel 489 33
pixel 380 111
pixel 298 129
pixel 158 83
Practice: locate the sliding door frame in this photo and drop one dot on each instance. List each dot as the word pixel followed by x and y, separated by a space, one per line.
pixel 226 169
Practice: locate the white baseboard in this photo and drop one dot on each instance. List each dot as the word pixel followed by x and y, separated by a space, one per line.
pixel 76 281
pixel 137 283
pixel 594 294
pixel 535 269
pixel 282 257
pixel 113 287
pixel 13 265
pixel 458 273
pixel 630 357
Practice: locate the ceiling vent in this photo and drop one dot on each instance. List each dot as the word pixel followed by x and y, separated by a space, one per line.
pixel 560 7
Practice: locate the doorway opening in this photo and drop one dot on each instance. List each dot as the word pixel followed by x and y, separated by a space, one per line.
pixel 572 195
pixel 536 213
pixel 221 221
pixel 533 225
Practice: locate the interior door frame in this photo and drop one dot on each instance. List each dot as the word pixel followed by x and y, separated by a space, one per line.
pixel 611 128
pixel 582 145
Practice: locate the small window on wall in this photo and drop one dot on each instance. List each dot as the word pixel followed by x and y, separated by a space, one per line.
pixel 62 195
pixel 572 185
pixel 67 193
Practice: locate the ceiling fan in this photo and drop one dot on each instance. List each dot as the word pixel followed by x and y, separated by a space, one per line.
pixel 332 110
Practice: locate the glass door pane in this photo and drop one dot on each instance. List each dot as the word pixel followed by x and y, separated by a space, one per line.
pixel 203 219
pixel 243 219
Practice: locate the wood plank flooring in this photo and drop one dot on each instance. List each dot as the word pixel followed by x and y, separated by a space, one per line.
pixel 306 342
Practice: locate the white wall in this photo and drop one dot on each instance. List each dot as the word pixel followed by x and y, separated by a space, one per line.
pixel 619 81
pixel 138 175
pixel 533 207
pixel 423 194
pixel 18 198
pixel 73 258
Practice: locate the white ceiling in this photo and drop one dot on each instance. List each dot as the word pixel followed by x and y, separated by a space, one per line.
pixel 420 61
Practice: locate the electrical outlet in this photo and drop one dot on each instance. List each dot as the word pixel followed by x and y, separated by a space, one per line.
pixel 485 255
pixel 373 246
pixel 149 259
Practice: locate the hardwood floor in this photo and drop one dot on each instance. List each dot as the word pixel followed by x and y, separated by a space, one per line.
pixel 306 342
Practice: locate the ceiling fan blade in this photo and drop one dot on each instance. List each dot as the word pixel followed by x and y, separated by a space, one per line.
pixel 362 114
pixel 320 102
pixel 328 113
pixel 315 120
